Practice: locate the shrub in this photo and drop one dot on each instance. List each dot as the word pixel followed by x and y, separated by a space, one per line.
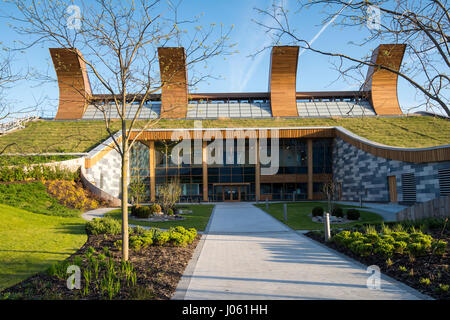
pixel 155 208
pixel 178 239
pixel 180 236
pixel 169 212
pixel 443 287
pixel 383 248
pixel 36 172
pixel 371 238
pixel 161 238
pixel 142 212
pixel 439 247
pixel 337 212
pixel 317 211
pixel 134 208
pixel 138 231
pixel 400 236
pixel 402 269
pixel 169 194
pixel 135 243
pixel 118 244
pixel 103 226
pixel 400 246
pixel 342 238
pixel 353 214
pixel 71 195
pixel 425 281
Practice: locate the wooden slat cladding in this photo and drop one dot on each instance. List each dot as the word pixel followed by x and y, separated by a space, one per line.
pixel 392 183
pixel 283 133
pixel 73 82
pixel 282 80
pixel 174 93
pixel 383 83
pixel 417 156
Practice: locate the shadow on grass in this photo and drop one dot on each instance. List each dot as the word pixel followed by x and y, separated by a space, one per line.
pixel 72 228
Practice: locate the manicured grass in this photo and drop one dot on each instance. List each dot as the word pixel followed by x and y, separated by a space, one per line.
pixel 298 219
pixel 198 219
pixel 82 136
pixel 31 242
pixel 33 197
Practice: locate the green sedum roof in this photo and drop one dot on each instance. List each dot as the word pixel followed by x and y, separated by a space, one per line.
pixel 81 136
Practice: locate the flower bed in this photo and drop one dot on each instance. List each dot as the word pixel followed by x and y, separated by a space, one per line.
pixel 153 270
pixel 421 260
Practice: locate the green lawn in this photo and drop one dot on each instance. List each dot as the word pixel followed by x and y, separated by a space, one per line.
pixel 82 136
pixel 298 219
pixel 30 242
pixel 33 197
pixel 198 219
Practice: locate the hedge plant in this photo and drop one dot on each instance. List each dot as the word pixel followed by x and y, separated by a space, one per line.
pixel 37 172
pixel 317 211
pixel 386 245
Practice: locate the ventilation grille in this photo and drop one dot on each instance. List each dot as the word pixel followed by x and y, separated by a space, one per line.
pixel 444 182
pixel 409 187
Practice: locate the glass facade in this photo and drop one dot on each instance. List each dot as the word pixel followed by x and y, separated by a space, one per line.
pixel 190 176
pixel 285 191
pixel 235 180
pixel 293 156
pixel 140 167
pixel 322 150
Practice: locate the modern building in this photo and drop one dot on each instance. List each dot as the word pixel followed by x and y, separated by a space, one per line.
pixel 308 156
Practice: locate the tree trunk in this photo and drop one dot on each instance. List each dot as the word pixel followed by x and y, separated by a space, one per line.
pixel 124 205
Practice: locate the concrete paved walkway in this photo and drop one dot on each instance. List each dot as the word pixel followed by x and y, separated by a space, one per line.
pixel 97 213
pixel 247 254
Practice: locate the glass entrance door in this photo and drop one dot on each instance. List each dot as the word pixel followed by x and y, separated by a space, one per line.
pixel 231 193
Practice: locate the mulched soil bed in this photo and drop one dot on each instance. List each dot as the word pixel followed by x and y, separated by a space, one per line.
pixel 433 267
pixel 158 269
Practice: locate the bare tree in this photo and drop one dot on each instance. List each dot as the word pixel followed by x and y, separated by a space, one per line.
pixel 422 25
pixel 118 41
pixel 10 110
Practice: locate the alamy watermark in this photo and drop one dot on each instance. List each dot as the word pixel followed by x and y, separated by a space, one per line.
pixel 374 280
pixel 74 19
pixel 373 18
pixel 74 279
pixel 263 147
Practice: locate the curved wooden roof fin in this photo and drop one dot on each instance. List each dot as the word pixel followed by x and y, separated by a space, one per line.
pixel 282 81
pixel 73 81
pixel 174 93
pixel 383 83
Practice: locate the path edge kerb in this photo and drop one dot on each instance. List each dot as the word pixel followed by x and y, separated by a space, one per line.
pixel 185 281
pixel 385 277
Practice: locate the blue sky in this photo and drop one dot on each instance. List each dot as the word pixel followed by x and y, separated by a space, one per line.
pixel 239 72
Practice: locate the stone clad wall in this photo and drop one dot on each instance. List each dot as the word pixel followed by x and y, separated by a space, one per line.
pixel 358 170
pixel 105 174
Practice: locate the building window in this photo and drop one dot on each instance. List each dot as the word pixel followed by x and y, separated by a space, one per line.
pixel 190 176
pixel 322 155
pixel 140 168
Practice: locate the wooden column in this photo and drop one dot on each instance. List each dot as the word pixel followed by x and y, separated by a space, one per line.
pixel 310 170
pixel 205 170
pixel 151 150
pixel 257 173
